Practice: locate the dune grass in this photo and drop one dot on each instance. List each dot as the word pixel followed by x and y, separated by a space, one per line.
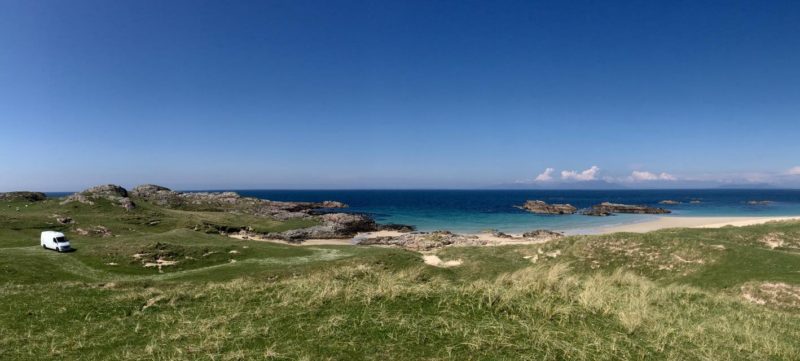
pixel 682 294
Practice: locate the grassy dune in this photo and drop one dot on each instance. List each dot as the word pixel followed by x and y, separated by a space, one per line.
pixel 682 294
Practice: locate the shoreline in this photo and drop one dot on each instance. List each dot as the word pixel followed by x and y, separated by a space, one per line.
pixel 664 222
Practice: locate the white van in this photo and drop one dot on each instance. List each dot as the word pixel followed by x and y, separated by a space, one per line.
pixel 55 241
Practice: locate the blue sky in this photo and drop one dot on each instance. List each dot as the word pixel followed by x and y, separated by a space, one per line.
pixel 401 94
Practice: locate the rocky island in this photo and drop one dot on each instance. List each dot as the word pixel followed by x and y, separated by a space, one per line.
pixel 607 209
pixel 541 207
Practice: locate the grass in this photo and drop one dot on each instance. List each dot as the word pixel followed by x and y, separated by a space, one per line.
pixel 667 295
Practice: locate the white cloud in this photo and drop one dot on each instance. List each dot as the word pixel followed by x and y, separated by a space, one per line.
pixel 587 175
pixel 794 171
pixel 643 176
pixel 546 176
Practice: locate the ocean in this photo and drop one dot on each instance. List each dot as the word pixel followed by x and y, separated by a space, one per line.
pixel 471 211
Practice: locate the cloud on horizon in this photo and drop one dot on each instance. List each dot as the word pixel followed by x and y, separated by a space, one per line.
pixel 551 177
pixel 586 175
pixel 545 176
pixel 645 176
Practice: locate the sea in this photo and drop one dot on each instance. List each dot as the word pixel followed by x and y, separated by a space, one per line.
pixel 473 211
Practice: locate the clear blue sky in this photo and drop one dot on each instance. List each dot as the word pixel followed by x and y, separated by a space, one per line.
pixel 388 94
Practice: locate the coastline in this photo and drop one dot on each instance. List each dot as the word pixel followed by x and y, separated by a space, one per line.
pixel 664 222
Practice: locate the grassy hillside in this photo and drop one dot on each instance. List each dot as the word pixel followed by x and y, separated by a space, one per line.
pixel 683 294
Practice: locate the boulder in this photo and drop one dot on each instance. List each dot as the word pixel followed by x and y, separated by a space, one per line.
pixel 64 220
pixel 541 207
pixel 607 208
pixel 23 196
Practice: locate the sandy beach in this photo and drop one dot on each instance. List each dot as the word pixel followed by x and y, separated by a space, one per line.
pixel 693 222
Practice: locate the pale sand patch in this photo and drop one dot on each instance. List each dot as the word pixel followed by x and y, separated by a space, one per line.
pixel 435 261
pixel 693 222
pixel 309 242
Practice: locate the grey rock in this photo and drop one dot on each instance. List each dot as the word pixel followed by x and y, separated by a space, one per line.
pixel 607 208
pixel 542 233
pixel 24 196
pixel 541 207
pixel 111 192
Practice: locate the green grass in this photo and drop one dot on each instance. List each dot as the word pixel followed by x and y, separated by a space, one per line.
pixel 667 295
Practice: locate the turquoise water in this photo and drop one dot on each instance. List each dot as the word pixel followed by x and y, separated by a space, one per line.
pixel 476 210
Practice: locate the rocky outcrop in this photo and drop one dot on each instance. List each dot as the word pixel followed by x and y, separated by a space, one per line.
pixel 423 241
pixel 669 201
pixel 110 192
pixel 396 227
pixel 541 207
pixel 607 209
pixel 542 233
pixel 426 241
pixel 334 225
pixel 149 191
pixel 229 201
pixel 23 196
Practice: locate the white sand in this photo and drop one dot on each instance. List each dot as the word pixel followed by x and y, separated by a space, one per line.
pixel 435 261
pixel 693 222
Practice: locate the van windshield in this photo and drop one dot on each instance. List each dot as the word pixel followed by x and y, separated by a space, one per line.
pixel 60 239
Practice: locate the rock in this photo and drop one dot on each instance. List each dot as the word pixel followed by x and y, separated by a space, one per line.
pixel 127 204
pixel 106 191
pixel 541 207
pixel 111 192
pixel 23 196
pixel 96 231
pixel 149 190
pixel 596 212
pixel 423 241
pixel 498 234
pixel 64 220
pixel 759 203
pixel 334 225
pixel 542 233
pixel 606 208
pixel 669 201
pixel 333 204
pixel 396 227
